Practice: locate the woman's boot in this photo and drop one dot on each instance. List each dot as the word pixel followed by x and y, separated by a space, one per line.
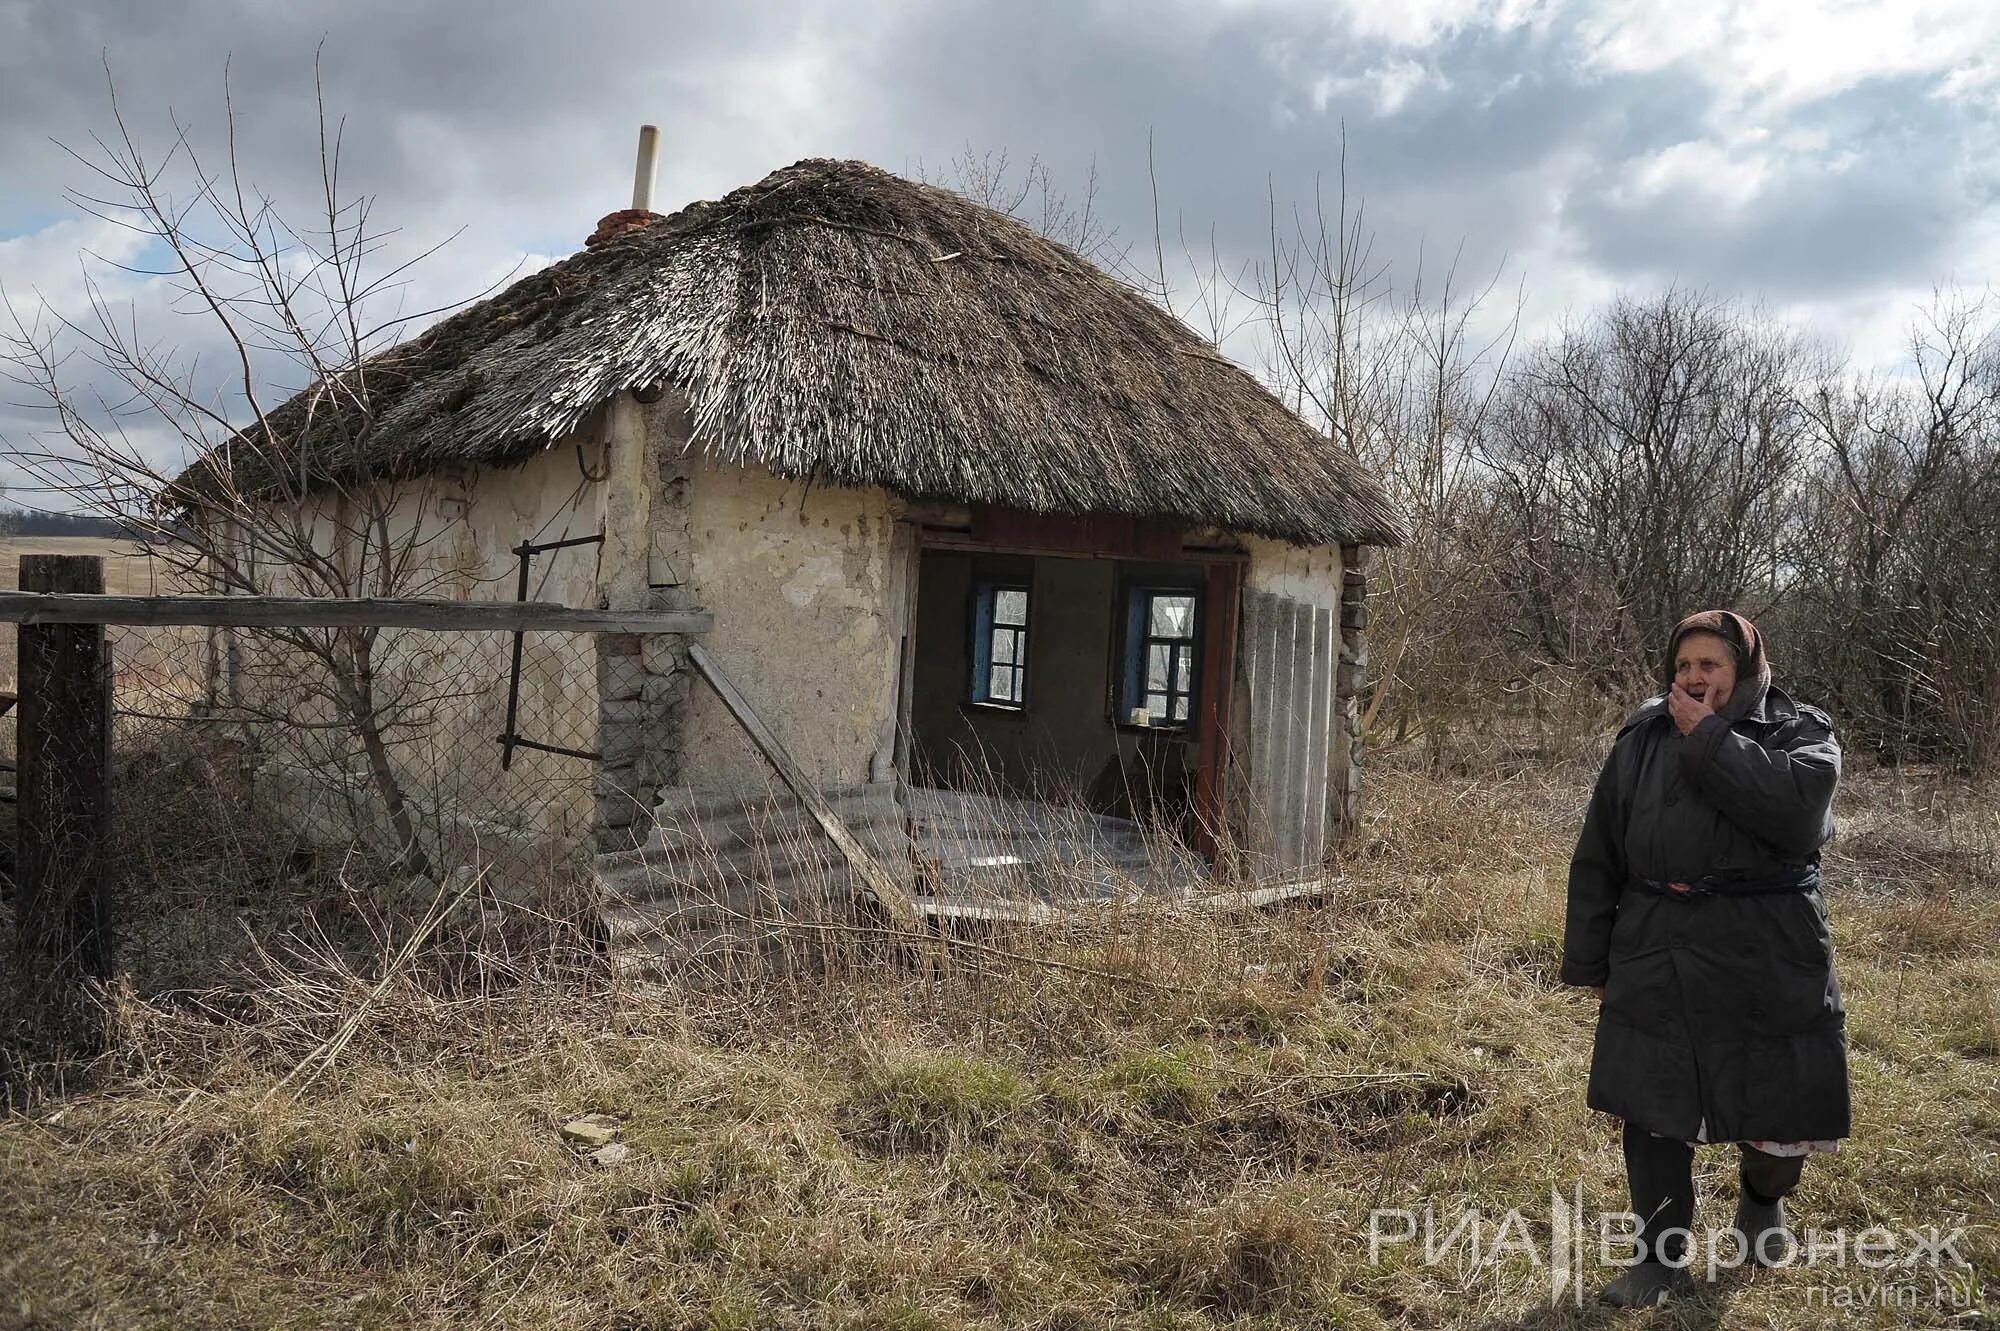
pixel 1660 1171
pixel 1762 1183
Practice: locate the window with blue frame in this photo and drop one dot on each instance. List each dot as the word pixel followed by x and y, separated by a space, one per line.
pixel 1000 644
pixel 1158 682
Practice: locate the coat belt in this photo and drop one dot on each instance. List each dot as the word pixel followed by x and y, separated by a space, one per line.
pixel 1805 879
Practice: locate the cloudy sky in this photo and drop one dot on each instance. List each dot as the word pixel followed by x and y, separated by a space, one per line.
pixel 1832 159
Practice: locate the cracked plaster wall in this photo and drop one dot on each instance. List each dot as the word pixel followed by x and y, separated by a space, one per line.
pixel 804 586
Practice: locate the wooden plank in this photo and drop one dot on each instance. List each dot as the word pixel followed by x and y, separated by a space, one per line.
pixel 1286 695
pixel 1267 742
pixel 1305 771
pixel 1249 754
pixel 994 912
pixel 1324 659
pixel 1277 700
pixel 1218 654
pixel 888 893
pixel 63 903
pixel 1024 911
pixel 1103 535
pixel 1309 777
pixel 1330 736
pixel 26 607
pixel 906 565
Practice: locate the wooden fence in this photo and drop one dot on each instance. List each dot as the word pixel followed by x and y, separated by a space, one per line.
pixel 63 912
pixel 62 906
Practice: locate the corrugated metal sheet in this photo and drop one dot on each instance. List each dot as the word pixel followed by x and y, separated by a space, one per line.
pixel 1290 660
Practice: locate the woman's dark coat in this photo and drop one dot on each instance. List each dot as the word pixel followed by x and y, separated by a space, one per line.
pixel 1721 1013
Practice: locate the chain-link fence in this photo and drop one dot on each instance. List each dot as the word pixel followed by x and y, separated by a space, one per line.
pixel 422 752
pixel 430 748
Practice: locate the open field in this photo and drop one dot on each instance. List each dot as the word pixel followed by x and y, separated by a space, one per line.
pixel 1161 1123
pixel 129 568
pixel 158 669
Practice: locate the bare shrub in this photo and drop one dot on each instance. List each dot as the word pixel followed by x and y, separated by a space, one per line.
pixel 302 506
pixel 1896 613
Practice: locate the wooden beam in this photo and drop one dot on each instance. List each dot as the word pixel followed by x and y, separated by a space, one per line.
pixel 63 903
pixel 893 898
pixel 307 612
pixel 1271 894
pixel 1314 773
pixel 1217 676
pixel 1292 698
pixel 937 539
pixel 1006 911
pixel 1019 910
pixel 1105 534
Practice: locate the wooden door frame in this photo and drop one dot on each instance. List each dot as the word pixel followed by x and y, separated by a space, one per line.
pixel 1218 673
pixel 1004 531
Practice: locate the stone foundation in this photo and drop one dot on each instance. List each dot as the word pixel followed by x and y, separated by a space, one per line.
pixel 643 679
pixel 642 682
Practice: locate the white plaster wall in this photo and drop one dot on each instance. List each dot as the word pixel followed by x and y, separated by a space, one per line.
pixel 802 584
pixel 547 499
pixel 1311 574
pixel 463 529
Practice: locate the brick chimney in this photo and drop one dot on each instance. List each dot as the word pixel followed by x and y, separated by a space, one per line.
pixel 640 215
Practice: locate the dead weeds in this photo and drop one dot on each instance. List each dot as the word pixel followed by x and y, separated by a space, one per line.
pixel 1155 1121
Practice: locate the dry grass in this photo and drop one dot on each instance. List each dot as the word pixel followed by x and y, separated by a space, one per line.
pixel 1156 1122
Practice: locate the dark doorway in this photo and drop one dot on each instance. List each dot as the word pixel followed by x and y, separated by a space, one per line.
pixel 1065 680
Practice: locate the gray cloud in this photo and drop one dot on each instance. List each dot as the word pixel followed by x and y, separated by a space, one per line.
pixel 1884 203
pixel 515 123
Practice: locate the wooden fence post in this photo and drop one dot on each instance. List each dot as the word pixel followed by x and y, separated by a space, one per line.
pixel 63 804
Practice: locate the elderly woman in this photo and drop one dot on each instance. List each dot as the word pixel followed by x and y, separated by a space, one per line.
pixel 1695 915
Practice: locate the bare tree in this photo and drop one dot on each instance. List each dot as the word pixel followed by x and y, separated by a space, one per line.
pixel 1029 193
pixel 1403 374
pixel 289 305
pixel 1899 558
pixel 1649 461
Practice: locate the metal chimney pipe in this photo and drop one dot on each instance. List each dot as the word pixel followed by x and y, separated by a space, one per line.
pixel 642 177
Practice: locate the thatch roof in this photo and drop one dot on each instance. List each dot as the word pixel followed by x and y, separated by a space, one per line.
pixel 839 322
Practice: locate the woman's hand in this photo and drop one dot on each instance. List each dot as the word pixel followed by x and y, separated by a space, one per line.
pixel 1598 989
pixel 1688 711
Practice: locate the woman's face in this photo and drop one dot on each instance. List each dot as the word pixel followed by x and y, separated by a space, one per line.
pixel 1705 666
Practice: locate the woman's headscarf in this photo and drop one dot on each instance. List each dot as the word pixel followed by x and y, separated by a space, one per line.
pixel 1753 668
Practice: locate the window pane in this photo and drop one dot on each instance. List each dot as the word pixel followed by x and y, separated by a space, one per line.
pixel 1003 646
pixel 1010 607
pixel 1156 703
pixel 1172 616
pixel 1183 667
pixel 1156 666
pixel 1180 708
pixel 1000 684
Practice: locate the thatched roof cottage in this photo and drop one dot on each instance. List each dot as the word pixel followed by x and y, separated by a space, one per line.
pixel 999 550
